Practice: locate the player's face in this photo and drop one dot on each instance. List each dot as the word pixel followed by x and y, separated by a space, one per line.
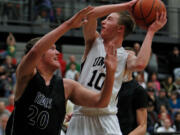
pixel 110 25
pixel 51 57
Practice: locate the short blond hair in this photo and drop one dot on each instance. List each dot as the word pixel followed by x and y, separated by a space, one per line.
pixel 128 21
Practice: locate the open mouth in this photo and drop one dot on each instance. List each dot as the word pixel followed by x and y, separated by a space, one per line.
pixel 102 27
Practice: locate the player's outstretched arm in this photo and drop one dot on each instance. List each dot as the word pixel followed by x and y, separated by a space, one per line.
pixel 140 62
pixel 30 61
pixel 84 97
pixel 27 67
pixel 101 11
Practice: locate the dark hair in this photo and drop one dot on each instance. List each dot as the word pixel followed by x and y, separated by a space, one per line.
pixel 30 44
pixel 127 20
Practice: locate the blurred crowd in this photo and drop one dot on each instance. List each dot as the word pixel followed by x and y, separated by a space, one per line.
pixel 44 13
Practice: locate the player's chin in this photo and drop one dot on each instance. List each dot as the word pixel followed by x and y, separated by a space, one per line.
pixel 56 65
pixel 102 34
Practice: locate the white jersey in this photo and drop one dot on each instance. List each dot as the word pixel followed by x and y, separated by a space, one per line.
pixel 93 74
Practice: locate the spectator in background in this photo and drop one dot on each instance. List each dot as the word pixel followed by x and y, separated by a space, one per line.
pixel 177 121
pixel 143 74
pixel 58 15
pixel 10 106
pixel 174 103
pixel 72 73
pixel 63 64
pixel 10 11
pixel 166 128
pixel 11 43
pixel 44 13
pixel 5 83
pixel 176 85
pixel 174 62
pixel 152 66
pixel 72 59
pixel 156 83
pixel 3 109
pixel 9 66
pixel 3 122
pixel 163 115
pixel 152 99
pixel 167 84
pixel 136 48
pixel 140 79
pixel 163 100
pixel 152 118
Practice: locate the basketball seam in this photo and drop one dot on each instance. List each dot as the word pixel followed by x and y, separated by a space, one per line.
pixel 147 24
pixel 158 10
pixel 150 10
pixel 142 12
pixel 137 18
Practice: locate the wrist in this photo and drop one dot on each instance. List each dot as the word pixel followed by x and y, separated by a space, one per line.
pixel 124 6
pixel 68 24
pixel 151 32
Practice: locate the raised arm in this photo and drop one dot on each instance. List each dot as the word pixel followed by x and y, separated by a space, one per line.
pixel 140 62
pixel 30 60
pixel 27 68
pixel 84 97
pixel 89 30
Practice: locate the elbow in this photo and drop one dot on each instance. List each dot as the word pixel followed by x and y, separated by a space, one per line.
pixel 141 66
pixel 101 101
pixel 101 104
pixel 104 105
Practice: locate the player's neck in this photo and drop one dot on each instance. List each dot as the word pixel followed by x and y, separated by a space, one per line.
pixel 46 73
pixel 117 41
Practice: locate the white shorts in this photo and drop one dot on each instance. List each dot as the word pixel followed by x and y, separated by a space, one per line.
pixel 94 125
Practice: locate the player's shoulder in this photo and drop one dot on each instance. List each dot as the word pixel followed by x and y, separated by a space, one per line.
pixel 138 87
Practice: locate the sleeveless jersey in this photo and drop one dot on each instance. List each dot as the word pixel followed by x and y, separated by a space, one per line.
pixel 40 110
pixel 93 74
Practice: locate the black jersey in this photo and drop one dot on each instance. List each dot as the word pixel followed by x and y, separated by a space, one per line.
pixel 40 110
pixel 131 97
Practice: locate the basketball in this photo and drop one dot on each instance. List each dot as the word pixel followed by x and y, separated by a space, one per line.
pixel 144 12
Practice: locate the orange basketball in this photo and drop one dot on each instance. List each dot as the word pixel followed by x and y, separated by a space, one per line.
pixel 144 11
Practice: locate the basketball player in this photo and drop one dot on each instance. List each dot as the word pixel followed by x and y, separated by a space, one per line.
pixel 116 26
pixel 132 104
pixel 40 96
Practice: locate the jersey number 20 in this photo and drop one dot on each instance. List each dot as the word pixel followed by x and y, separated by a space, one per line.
pixel 38 118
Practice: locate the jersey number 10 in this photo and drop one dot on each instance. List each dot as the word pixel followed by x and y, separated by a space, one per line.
pixel 96 82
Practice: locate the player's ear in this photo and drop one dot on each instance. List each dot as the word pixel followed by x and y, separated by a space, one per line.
pixel 121 28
